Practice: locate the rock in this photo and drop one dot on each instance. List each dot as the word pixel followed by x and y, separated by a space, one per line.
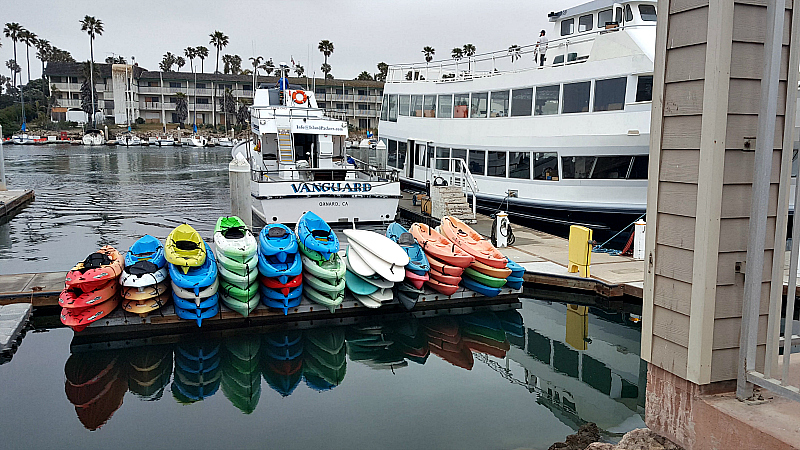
pixel 600 446
pixel 644 439
pixel 586 435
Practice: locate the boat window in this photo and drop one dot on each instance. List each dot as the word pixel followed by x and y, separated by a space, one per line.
pixel 558 60
pixel 577 166
pixel 445 106
pixel 628 14
pixel 609 95
pixel 442 164
pixel 644 88
pixel 585 23
pixel 496 164
pixel 456 154
pixel 546 100
pixel 429 106
pixel 421 154
pixel 477 162
pixel 404 101
pixel 402 147
pixel 499 104
pixel 416 106
pixel 521 102
pixel 648 13
pixel 611 167
pixel 567 27
pixel 519 165
pixel 576 97
pixel 639 168
pixel 618 15
pixel 604 18
pixel 479 104
pixel 384 107
pixel 461 106
pixel 431 155
pixel 391 158
pixel 392 108
pixel 545 166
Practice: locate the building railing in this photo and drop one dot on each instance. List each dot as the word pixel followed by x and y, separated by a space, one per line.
pixel 457 173
pixel 69 103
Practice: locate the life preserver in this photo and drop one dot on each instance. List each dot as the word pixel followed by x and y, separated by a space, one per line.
pixel 303 97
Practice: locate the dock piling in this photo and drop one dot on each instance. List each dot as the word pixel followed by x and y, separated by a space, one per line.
pixel 239 179
pixel 2 163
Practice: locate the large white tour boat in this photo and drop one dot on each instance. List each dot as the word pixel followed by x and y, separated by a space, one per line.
pixel 561 142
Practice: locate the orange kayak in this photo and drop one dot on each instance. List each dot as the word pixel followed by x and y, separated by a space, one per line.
pixel 97 269
pixel 472 242
pixel 74 297
pixel 442 288
pixel 142 307
pixel 79 318
pixel 444 268
pixel 491 271
pixel 442 278
pixel 437 246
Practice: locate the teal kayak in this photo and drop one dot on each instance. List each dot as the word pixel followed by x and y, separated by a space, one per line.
pixel 358 285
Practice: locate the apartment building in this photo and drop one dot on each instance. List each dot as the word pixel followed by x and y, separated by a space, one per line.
pixel 127 92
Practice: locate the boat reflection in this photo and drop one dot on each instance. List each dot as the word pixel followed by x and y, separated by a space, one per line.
pixel 95 384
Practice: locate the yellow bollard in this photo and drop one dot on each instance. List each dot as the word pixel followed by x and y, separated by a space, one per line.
pixel 580 250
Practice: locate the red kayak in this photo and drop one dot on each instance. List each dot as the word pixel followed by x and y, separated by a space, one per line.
pixel 444 268
pixel 415 279
pixel 438 246
pixel 75 297
pixel 284 288
pixel 96 270
pixel 79 318
pixel 442 288
pixel 446 279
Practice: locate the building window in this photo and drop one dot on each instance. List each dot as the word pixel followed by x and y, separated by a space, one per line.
pixel 173 99
pixel 521 102
pixel 75 96
pixel 416 106
pixel 363 123
pixel 585 23
pixel 55 79
pixel 429 106
pixel 341 106
pixel 609 95
pixel 479 104
pixel 499 104
pixel 648 13
pixel 639 168
pixel 577 166
pixel 567 27
pixel 202 101
pixel 339 91
pixel 458 154
pixel 545 166
pixel 402 147
pixel 546 100
pixel 496 165
pixel 174 84
pixel 445 106
pixel 461 106
pixel 605 17
pixel 628 14
pixel 152 84
pixel 319 91
pixel 362 92
pixel 385 108
pixel 364 107
pixel 405 103
pixel 322 105
pixel 247 87
pixel 441 163
pixel 477 162
pixel 519 165
pixel 644 88
pixel 200 86
pixel 392 108
pixel 391 158
pixel 576 97
pixel 73 79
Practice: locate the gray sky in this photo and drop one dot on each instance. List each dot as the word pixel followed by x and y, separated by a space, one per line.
pixel 363 32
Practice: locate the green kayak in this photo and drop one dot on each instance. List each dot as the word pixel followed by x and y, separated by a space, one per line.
pixel 330 302
pixel 233 239
pixel 238 292
pixel 330 287
pixel 484 279
pixel 243 308
pixel 330 340
pixel 311 254
pixel 237 267
pixel 325 270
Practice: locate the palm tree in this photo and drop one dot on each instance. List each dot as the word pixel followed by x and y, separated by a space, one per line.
pixel 364 76
pixel 514 51
pixel 268 67
pixel 326 47
pixel 180 62
pixel 299 70
pixel 326 69
pixel 29 38
pixel 469 52
pixel 167 62
pixel 429 52
pixel 383 70
pixel 220 41
pixel 202 53
pixel 12 31
pixel 255 61
pixel 181 107
pixel 93 27
pixel 44 50
pixel 457 54
pixel 191 54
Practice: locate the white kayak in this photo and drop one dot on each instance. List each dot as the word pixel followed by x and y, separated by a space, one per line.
pixel 382 295
pixel 368 302
pixel 380 283
pixel 379 245
pixel 188 294
pixel 143 280
pixel 389 271
pixel 357 265
pixel 239 245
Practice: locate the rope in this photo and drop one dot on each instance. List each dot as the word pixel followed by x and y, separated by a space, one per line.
pixel 601 248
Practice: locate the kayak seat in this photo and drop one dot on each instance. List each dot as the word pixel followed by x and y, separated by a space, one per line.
pixel 234 233
pixel 140 268
pixel 321 235
pixel 95 261
pixel 276 232
pixel 186 245
pixel 406 239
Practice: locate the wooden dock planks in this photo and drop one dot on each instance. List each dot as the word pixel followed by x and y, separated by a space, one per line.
pixel 11 202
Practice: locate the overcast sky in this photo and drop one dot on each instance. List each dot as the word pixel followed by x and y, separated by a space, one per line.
pixel 364 32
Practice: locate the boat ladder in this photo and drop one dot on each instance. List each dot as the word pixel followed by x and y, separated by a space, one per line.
pixel 285 146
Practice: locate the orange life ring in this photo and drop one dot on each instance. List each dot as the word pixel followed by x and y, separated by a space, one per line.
pixel 303 96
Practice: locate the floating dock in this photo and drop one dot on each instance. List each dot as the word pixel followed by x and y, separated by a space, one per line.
pixel 13 319
pixel 11 202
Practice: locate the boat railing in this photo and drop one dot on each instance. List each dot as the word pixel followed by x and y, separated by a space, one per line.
pixel 323 174
pixel 457 173
pixel 271 112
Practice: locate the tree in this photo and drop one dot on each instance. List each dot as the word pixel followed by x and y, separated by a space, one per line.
pixel 13 67
pixel 58 55
pixel 233 64
pixel 457 54
pixel 93 27
pixel 326 47
pixel 365 76
pixel 181 107
pixel 383 70
pixel 242 114
pixel 191 54
pixel 514 51
pixel 299 70
pixel 328 76
pixel 202 53
pixel 268 67
pixel 469 52
pixel 43 51
pixel 326 69
pixel 29 38
pixel 256 63
pixel 167 62
pixel 180 62
pixel 12 31
pixel 220 41
pixel 88 93
pixel 116 60
pixel 227 105
pixel 428 52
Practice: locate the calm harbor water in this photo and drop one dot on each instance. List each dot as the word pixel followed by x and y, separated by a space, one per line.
pixel 511 379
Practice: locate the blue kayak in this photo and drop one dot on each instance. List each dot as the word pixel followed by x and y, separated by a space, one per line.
pixel 517 271
pixel 514 282
pixel 147 248
pixel 274 294
pixel 278 240
pixel 196 278
pixel 473 285
pixel 271 267
pixel 316 234
pixel 198 314
pixel 418 261
pixel 279 304
pixel 205 303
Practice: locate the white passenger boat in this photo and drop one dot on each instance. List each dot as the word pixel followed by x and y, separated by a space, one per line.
pixel 299 164
pixel 564 142
pixel 93 137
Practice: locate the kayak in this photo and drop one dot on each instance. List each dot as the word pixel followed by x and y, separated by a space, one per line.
pixel 79 318
pixel 198 277
pixel 480 288
pixel 233 239
pixel 185 248
pixel 484 279
pixel 240 267
pixel 269 266
pixel 332 269
pixel 357 265
pixel 331 287
pixel 274 283
pixel 198 314
pixel 416 279
pixel 367 301
pixel 489 270
pixel 514 282
pixel 237 292
pixel 315 234
pixel 472 242
pixel 143 293
pixel 142 307
pixel 242 307
pixel 204 303
pixel 275 294
pixel 418 262
pixel 330 302
pixel 74 297
pixel 242 281
pixel 147 248
pixel 97 269
pixel 387 270
pixel 379 282
pixel 189 294
pixel 438 246
pixel 278 240
pixel 278 304
pixel 382 295
pixel 516 270
pixel 442 288
pixel 142 274
pixel 407 300
pixel 357 285
pixel 443 267
pixel 447 279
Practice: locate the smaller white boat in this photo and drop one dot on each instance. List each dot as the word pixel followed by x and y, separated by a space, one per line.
pixel 226 142
pixel 129 140
pixel 24 139
pixel 93 137
pixel 198 141
pixel 152 140
pixel 166 141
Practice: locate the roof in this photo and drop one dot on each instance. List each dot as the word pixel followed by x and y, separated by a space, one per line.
pixel 75 69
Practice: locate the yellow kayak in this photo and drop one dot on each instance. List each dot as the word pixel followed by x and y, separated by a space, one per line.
pixel 185 248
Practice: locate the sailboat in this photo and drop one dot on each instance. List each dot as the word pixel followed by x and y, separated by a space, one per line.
pixel 93 137
pixel 23 138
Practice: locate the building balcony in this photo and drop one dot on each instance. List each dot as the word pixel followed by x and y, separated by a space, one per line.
pixel 200 107
pixel 69 103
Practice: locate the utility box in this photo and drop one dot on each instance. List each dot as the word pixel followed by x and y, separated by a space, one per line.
pixel 580 250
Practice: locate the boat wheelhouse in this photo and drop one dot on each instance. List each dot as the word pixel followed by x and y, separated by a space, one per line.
pixel 562 142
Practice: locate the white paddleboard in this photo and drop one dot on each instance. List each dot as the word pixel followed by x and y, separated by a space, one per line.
pixel 380 283
pixel 379 245
pixel 382 295
pixel 366 301
pixel 357 265
pixel 391 272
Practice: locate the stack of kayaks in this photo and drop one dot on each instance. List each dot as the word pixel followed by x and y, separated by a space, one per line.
pixel 197 371
pixel 149 371
pixel 515 280
pixel 144 280
pixel 447 260
pixel 90 291
pixel 375 263
pixel 282 360
pixel 95 385
pixel 194 275
pixel 408 292
pixel 323 268
pixel 280 267
pixel 324 358
pixel 237 262
pixel 241 371
pixel 487 274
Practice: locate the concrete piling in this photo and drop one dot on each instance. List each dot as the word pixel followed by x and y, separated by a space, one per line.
pixel 239 179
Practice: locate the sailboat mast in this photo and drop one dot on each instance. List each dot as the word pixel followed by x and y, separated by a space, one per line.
pixel 22 101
